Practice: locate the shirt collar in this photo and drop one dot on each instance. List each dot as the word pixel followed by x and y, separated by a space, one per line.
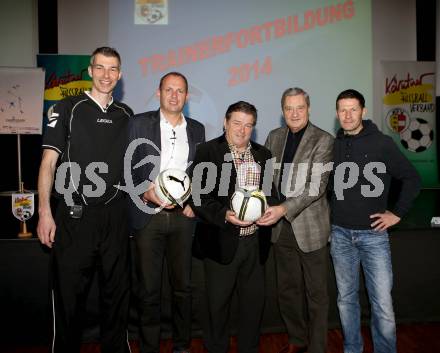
pixel 234 149
pixel 165 122
pixel 104 109
pixel 299 132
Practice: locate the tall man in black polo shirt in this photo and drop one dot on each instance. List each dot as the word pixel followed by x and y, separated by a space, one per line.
pixel 90 227
pixel 165 235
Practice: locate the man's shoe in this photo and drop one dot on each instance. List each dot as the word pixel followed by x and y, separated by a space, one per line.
pixel 293 348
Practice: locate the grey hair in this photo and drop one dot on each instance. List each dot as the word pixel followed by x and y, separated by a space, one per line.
pixel 296 91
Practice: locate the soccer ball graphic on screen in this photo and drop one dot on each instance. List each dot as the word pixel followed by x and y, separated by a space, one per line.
pixel 418 136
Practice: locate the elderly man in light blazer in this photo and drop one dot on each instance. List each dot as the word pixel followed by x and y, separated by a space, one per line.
pixel 301 233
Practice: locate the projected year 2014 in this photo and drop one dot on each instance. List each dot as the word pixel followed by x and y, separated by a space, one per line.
pixel 249 71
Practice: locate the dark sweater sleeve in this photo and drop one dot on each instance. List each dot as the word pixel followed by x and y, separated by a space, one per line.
pixel 400 168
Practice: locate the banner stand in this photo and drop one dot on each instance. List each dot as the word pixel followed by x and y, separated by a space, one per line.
pixel 23 233
pixel 22 200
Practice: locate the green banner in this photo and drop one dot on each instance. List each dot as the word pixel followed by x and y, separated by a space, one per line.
pixel 66 75
pixel 409 114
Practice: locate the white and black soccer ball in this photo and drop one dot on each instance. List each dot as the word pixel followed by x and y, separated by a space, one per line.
pixel 248 205
pixel 173 186
pixel 418 136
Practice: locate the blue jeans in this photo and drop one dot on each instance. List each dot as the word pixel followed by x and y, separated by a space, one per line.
pixel 371 249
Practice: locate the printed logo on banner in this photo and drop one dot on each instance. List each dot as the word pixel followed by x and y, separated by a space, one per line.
pixel 23 206
pixel 66 85
pixel 409 114
pixel 151 12
pixel 397 119
pixel 415 134
pixel 65 76
pixel 418 136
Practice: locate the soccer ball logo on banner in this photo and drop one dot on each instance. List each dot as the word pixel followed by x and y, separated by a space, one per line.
pixel 418 136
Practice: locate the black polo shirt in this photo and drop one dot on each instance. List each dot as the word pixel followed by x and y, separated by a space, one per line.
pixel 83 132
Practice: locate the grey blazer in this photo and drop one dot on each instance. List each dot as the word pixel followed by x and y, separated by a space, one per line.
pixel 307 207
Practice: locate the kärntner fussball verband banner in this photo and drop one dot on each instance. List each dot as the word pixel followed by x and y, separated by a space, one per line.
pixel 409 114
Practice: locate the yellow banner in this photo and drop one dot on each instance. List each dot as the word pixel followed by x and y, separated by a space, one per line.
pixel 73 88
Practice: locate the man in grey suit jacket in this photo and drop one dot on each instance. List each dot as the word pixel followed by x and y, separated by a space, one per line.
pixel 304 154
pixel 168 140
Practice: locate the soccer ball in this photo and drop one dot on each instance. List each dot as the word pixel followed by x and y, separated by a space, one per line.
pixel 173 186
pixel 248 205
pixel 418 136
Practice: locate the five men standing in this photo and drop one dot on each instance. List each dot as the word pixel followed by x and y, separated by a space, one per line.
pixel 90 228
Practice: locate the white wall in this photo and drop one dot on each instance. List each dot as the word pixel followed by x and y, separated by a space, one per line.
pixel 82 26
pixel 18 33
pixel 394 38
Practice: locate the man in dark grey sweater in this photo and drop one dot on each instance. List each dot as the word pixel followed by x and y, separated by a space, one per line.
pixel 365 160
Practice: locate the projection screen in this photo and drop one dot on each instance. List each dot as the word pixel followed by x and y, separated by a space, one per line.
pixel 249 50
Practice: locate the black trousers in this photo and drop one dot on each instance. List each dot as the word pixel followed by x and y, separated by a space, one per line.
pixel 98 241
pixel 302 291
pixel 244 274
pixel 168 235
